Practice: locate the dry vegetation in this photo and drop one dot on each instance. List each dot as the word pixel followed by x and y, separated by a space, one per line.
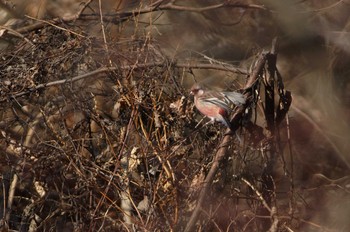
pixel 98 131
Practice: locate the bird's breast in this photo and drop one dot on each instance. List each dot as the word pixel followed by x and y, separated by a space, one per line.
pixel 209 109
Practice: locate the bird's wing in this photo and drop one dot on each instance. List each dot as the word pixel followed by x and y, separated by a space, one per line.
pixel 216 98
pixel 218 102
pixel 235 97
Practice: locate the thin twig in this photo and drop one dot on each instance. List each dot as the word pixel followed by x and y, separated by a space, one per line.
pixel 78 14
pixel 54 25
pixel 11 195
pixel 14 32
pixel 42 23
pixel 263 201
pixel 103 31
pixel 171 6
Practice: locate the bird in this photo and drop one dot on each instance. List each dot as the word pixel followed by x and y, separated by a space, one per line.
pixel 216 105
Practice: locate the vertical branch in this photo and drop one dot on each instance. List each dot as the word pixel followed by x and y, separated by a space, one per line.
pixel 103 32
pixel 268 187
pixel 270 88
pixel 270 93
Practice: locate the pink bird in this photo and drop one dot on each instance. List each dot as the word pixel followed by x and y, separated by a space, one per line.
pixel 216 105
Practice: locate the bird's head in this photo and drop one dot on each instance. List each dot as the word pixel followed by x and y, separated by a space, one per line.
pixel 197 90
